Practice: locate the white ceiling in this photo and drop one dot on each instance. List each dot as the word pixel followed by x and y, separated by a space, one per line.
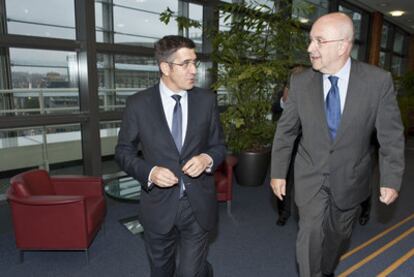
pixel 405 21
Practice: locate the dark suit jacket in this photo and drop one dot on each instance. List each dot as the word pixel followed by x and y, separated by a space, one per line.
pixel 144 123
pixel 345 163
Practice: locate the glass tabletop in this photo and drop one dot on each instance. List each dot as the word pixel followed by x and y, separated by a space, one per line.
pixel 122 187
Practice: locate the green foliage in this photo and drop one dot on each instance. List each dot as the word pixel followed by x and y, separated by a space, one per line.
pixel 253 54
pixel 406 82
pixel 406 100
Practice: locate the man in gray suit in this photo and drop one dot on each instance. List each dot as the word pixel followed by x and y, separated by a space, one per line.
pixel 336 107
pixel 177 126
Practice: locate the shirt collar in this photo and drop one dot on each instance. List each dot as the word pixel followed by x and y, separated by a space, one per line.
pixel 168 93
pixel 343 73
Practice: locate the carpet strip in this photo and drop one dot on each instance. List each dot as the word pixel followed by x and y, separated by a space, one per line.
pixel 376 253
pixel 397 263
pixel 377 237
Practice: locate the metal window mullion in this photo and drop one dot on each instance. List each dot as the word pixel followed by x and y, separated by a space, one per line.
pixel 88 86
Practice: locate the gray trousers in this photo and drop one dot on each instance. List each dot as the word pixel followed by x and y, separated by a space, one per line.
pixel 324 232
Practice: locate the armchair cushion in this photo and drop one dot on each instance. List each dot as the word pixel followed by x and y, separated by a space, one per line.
pixel 37 182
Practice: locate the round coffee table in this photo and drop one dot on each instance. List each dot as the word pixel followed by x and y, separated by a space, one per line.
pixel 121 187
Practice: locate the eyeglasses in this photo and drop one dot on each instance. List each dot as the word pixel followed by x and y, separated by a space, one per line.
pixel 320 42
pixel 186 64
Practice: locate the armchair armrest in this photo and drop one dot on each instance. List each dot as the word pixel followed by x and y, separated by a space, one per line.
pixel 231 161
pixel 77 185
pixel 47 200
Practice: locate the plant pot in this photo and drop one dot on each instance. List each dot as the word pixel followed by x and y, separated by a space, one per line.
pixel 252 167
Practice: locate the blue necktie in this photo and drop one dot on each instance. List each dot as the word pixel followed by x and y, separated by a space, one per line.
pixel 177 131
pixel 333 107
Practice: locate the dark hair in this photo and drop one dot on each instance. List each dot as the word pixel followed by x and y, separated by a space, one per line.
pixel 168 45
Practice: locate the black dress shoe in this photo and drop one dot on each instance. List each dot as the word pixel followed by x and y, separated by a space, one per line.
pixel 281 220
pixel 363 219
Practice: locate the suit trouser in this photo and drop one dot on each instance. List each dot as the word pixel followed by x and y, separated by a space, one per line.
pixel 188 239
pixel 324 232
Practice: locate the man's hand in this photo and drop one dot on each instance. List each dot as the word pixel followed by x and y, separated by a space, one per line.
pixel 388 195
pixel 163 177
pixel 278 187
pixel 196 165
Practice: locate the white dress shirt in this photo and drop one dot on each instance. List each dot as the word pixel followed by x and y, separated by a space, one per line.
pixel 343 80
pixel 168 103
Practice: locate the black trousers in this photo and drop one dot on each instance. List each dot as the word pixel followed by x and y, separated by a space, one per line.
pixel 182 252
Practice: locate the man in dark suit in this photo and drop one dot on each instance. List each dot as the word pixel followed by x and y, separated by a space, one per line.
pixel 336 106
pixel 178 129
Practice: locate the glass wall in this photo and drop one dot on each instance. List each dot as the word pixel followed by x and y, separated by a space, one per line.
pixel 393 49
pixel 121 76
pixel 42 82
pixel 43 18
pixel 360 19
pixel 307 11
pixel 52 81
pixel 132 22
pixel 38 147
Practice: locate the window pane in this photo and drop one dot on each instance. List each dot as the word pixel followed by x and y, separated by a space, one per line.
pixel 121 76
pixel 109 136
pixel 383 59
pixel 307 11
pixel 196 34
pixel 356 18
pixel 384 35
pixel 39 147
pixel 43 18
pixel 43 82
pixel 397 65
pixel 137 22
pixel 354 53
pixel 398 43
pixel 203 75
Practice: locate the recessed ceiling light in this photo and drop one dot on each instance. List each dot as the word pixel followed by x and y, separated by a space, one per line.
pixel 397 13
pixel 303 20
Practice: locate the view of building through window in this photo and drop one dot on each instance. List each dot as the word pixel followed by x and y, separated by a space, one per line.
pixel 45 80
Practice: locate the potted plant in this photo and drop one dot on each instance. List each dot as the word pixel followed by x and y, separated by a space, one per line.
pixel 405 83
pixel 253 54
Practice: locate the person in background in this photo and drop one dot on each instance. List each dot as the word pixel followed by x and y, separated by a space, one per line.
pixel 284 205
pixel 336 107
pixel 177 126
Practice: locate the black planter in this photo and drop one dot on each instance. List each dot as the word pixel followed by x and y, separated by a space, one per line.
pixel 251 168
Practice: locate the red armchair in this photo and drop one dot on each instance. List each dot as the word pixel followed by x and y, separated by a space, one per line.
pixel 56 212
pixel 224 181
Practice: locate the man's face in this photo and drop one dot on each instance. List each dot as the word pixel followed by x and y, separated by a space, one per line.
pixel 325 48
pixel 180 72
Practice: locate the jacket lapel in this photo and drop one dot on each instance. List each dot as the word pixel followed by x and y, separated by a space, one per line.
pixel 191 117
pixel 161 118
pixel 352 101
pixel 318 102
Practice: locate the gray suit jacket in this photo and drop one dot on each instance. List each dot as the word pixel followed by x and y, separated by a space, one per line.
pixel 344 164
pixel 144 123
